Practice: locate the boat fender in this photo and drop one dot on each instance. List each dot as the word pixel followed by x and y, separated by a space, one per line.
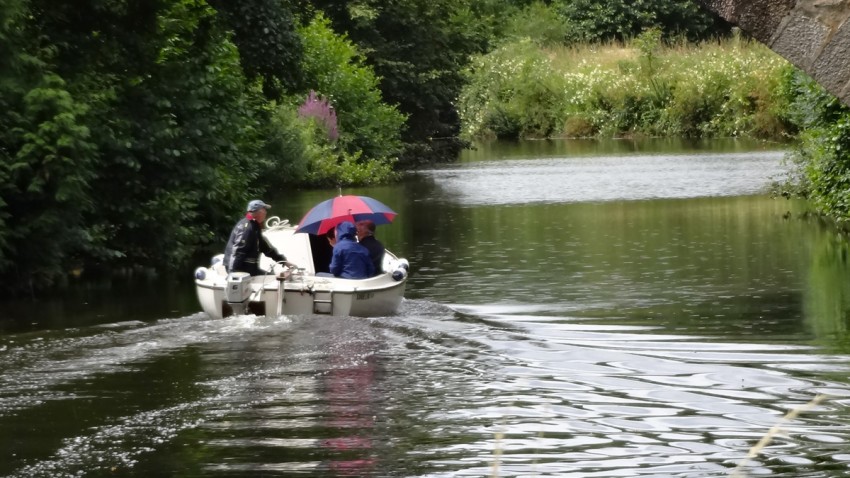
pixel 201 273
pixel 403 264
pixel 399 274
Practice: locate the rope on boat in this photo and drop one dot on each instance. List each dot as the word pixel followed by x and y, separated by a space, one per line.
pixel 275 222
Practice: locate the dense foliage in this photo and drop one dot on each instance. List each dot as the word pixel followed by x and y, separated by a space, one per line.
pixel 369 130
pixel 822 156
pixel 46 158
pixel 592 21
pixel 269 46
pixel 418 49
pixel 717 89
pixel 133 131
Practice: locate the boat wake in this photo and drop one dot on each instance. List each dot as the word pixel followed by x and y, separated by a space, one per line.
pixel 437 390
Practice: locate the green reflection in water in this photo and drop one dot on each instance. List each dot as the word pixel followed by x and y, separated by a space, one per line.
pixel 827 303
pixel 607 246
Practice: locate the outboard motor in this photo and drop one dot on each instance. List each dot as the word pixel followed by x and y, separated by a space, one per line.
pixel 237 291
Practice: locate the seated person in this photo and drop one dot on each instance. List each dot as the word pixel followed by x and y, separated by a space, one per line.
pixel 350 260
pixel 366 236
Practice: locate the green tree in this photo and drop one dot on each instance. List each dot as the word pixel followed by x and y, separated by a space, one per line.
pixel 418 49
pixel 51 172
pixel 269 46
pixel 538 21
pixel 46 157
pixel 129 134
pixel 13 73
pixel 369 129
pixel 179 141
pixel 334 68
pixel 594 20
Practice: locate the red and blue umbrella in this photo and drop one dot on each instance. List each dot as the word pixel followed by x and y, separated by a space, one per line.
pixel 327 214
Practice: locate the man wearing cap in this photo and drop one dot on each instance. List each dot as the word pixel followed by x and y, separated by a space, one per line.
pixel 242 253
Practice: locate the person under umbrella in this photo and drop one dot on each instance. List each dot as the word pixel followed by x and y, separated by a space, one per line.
pixel 366 236
pixel 350 260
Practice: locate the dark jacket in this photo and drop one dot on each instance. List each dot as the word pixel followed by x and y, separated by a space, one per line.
pixel 350 260
pixel 376 252
pixel 242 253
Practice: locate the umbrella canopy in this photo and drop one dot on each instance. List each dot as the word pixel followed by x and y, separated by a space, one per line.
pixel 327 214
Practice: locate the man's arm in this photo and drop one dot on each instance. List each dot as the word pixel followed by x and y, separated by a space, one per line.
pixel 270 250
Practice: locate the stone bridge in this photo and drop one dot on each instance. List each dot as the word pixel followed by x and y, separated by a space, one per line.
pixel 814 35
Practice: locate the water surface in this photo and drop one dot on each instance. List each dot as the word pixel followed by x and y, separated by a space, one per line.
pixel 575 309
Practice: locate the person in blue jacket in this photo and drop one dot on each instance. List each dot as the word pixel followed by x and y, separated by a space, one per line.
pixel 350 259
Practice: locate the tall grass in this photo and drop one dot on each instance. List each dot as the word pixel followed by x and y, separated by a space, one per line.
pixel 730 87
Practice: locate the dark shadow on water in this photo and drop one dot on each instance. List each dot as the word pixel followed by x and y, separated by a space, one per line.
pixel 87 302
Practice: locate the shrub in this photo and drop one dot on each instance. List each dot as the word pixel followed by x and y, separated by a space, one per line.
pixel 539 22
pixel 285 151
pixel 512 93
pixel 822 157
pixel 578 126
pixel 321 111
pixel 369 129
pixel 592 20
pixel 730 88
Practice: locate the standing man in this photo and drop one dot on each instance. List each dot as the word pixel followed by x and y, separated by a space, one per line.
pixel 242 253
pixel 366 236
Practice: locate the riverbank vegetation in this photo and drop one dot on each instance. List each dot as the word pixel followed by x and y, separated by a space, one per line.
pixel 821 155
pixel 661 82
pixel 717 88
pixel 133 132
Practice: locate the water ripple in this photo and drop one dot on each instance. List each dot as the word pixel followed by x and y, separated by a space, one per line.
pixel 436 391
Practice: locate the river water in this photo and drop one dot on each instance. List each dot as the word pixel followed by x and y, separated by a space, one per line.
pixel 574 309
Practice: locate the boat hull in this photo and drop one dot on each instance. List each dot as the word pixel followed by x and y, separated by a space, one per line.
pixel 300 291
pixel 318 295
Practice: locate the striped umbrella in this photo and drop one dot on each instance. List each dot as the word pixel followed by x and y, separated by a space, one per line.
pixel 327 214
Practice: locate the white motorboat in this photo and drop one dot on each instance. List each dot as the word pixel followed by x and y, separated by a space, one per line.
pixel 299 290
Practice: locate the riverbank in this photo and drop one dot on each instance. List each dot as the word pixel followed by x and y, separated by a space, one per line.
pixel 731 87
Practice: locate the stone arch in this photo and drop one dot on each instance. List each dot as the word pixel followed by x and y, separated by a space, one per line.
pixel 814 35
